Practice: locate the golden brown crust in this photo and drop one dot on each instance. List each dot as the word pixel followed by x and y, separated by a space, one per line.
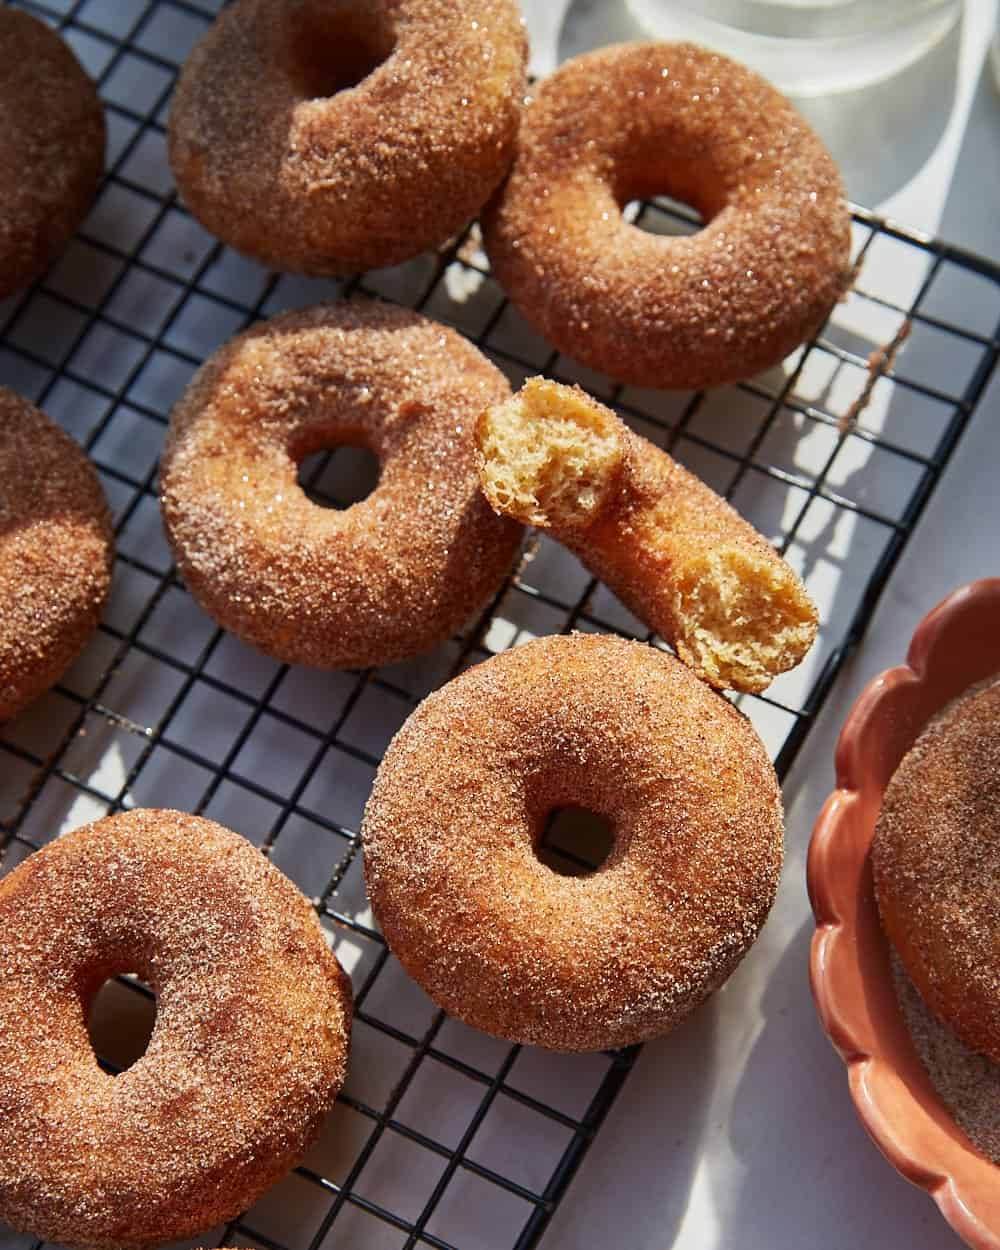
pixel 683 560
pixel 248 1052
pixel 52 138
pixel 936 859
pixel 56 550
pixel 676 553
pixel 389 577
pixel 276 161
pixel 636 120
pixel 497 938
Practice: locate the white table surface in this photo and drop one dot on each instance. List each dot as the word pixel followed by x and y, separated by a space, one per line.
pixel 738 1130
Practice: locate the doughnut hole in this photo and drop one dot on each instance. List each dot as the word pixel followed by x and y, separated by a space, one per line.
pixel 660 170
pixel 341 482
pixel 676 217
pixel 575 841
pixel 334 47
pixel 121 1020
pixel 579 826
pixel 549 455
pixel 738 616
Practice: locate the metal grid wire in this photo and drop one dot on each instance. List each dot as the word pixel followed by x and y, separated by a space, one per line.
pixel 442 1137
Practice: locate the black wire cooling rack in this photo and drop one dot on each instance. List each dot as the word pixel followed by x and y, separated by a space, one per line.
pixel 443 1137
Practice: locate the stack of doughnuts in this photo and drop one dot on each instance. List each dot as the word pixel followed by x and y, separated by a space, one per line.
pixel 327 139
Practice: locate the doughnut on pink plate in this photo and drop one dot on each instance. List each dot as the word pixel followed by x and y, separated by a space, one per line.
pixel 954 646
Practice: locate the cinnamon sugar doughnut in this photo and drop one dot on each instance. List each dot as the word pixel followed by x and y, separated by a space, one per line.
pixel 56 549
pixel 247 1054
pixel 394 574
pixel 330 138
pixel 674 552
pixel 644 119
pixel 52 138
pixel 461 800
pixel 936 859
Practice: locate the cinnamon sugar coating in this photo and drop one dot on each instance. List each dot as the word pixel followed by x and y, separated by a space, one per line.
pixel 334 138
pixel 52 137
pixel 247 1054
pixel 936 859
pixel 390 576
pixel 56 550
pixel 573 963
pixel 637 120
pixel 967 1082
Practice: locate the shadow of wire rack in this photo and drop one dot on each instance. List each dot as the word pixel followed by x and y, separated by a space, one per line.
pixel 443 1137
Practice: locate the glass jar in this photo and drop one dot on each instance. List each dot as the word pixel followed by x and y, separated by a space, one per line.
pixel 807 47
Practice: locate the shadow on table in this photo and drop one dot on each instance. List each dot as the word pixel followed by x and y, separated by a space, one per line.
pixel 792 1103
pixel 883 134
pixel 971 219
pixel 662 1139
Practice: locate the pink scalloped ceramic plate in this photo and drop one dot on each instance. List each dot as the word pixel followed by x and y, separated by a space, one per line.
pixel 956 645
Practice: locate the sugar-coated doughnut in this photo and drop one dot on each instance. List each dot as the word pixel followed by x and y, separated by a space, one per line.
pixel 389 577
pixel 247 1054
pixel 674 552
pixel 936 859
pixel 56 549
pixel 331 138
pixel 52 138
pixel 644 119
pixel 461 800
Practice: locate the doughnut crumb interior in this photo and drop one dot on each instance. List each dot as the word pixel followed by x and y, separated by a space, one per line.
pixel 675 552
pixel 741 617
pixel 549 457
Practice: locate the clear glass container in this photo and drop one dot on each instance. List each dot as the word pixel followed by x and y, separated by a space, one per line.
pixel 807 47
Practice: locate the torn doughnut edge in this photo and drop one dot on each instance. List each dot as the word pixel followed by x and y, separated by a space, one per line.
pixel 553 457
